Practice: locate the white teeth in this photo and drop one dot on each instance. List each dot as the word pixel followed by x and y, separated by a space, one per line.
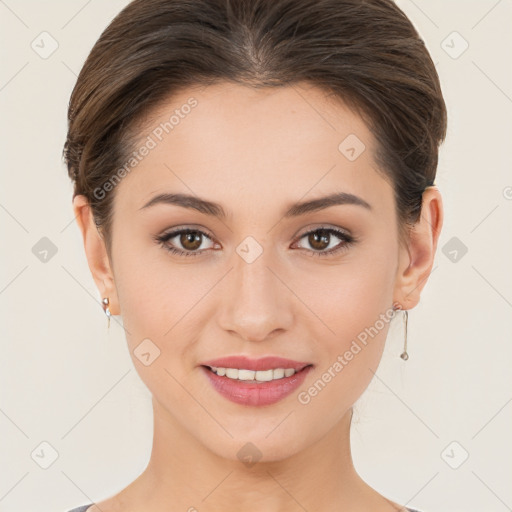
pixel 264 375
pixel 259 376
pixel 278 373
pixel 246 375
pixel 232 373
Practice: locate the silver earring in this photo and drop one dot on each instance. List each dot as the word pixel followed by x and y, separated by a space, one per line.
pixel 404 355
pixel 106 302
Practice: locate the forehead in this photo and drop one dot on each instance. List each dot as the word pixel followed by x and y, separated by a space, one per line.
pixel 237 144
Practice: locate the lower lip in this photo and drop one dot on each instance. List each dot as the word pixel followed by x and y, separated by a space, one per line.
pixel 249 393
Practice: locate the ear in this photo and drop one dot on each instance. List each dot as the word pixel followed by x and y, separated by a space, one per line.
pixel 96 252
pixel 416 260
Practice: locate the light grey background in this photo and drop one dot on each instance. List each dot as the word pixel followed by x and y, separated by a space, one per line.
pixel 67 382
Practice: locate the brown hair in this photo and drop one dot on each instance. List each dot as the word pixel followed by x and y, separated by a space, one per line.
pixel 364 52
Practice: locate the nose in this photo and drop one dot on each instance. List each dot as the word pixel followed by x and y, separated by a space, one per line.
pixel 257 303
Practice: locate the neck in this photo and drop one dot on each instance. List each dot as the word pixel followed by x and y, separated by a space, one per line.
pixel 183 474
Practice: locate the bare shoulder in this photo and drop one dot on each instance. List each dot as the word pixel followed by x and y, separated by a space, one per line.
pixel 376 501
pixel 112 504
pixel 399 508
pixel 125 500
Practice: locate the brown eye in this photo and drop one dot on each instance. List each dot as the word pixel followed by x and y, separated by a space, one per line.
pixel 191 240
pixel 319 239
pixel 322 238
pixel 187 240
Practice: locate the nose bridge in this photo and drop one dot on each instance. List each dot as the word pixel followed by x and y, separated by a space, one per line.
pixel 255 304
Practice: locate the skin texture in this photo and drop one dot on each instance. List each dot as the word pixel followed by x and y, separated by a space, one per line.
pixel 256 152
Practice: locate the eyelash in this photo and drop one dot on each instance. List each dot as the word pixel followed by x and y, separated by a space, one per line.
pixel 347 239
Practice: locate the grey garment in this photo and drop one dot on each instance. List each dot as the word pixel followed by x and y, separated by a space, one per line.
pixel 83 508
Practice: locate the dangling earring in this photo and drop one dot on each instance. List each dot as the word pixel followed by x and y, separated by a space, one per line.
pixel 404 355
pixel 105 302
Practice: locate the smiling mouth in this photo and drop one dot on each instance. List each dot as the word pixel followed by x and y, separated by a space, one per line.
pixel 255 376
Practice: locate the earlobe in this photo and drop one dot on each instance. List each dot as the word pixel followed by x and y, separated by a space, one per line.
pixel 96 252
pixel 416 260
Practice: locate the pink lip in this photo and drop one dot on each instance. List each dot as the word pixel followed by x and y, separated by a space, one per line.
pixel 263 363
pixel 251 393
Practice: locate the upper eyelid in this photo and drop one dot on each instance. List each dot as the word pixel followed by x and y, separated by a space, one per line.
pixel 179 229
pixel 333 231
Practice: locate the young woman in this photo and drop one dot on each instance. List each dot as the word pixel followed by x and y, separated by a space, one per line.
pixel 254 183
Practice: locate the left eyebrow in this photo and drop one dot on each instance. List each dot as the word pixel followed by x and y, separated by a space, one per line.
pixel 321 203
pixel 295 210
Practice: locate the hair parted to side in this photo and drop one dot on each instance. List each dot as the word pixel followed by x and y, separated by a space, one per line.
pixel 367 53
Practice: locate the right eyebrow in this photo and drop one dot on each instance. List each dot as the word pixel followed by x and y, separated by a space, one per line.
pixel 294 210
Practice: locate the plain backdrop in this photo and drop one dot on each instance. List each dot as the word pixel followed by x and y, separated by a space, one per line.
pixel 75 419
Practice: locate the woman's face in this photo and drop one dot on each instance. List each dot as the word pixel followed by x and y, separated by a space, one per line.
pixel 259 281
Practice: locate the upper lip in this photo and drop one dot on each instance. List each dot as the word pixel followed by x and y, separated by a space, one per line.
pixel 263 363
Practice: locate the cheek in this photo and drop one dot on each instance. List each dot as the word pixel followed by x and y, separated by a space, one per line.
pixel 357 310
pixel 350 297
pixel 161 301
pixel 143 303
pixel 152 291
pixel 354 303
pixel 154 299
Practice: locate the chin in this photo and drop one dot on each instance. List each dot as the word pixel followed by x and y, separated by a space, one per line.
pixel 270 441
